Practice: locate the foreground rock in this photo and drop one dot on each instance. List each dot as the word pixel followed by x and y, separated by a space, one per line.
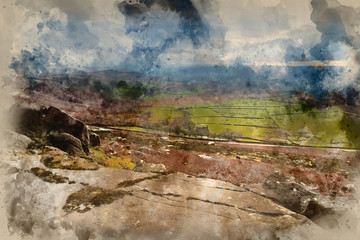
pixel 55 158
pixel 38 122
pixel 118 204
pixel 294 196
pixel 17 141
pixel 178 206
pixel 67 143
pixel 94 139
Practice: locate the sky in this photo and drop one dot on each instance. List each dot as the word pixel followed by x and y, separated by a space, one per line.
pixel 162 37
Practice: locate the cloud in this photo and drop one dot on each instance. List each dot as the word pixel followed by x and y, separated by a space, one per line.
pixel 53 42
pixel 191 24
pixel 81 9
pixel 339 41
pixel 159 25
pixel 64 39
pixel 163 37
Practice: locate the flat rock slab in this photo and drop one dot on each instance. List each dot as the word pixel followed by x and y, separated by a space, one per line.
pixel 179 206
pixel 120 204
pixel 210 191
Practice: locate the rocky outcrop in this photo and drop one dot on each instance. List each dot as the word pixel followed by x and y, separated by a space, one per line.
pixel 119 204
pixel 294 196
pixel 55 158
pixel 37 122
pixel 67 143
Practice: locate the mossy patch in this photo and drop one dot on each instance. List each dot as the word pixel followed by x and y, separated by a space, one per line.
pixel 89 197
pixel 122 162
pixel 98 155
pixel 55 158
pixel 48 176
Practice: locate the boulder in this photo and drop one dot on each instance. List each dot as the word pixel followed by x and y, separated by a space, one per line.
pixel 94 139
pixel 67 143
pixel 294 196
pixel 55 158
pixel 37 122
pixel 62 122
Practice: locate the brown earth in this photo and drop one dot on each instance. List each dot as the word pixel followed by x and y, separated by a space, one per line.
pixel 237 163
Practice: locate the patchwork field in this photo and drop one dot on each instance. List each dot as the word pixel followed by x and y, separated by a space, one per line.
pixel 250 120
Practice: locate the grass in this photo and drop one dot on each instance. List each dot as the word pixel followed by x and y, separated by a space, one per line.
pixel 315 128
pixel 163 114
pixel 259 121
pixel 199 112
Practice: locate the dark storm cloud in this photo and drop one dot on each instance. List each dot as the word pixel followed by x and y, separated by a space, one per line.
pixel 329 22
pixel 337 25
pixel 192 25
pixel 179 19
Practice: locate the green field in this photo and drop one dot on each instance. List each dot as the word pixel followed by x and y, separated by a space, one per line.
pixel 254 120
pixel 164 113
